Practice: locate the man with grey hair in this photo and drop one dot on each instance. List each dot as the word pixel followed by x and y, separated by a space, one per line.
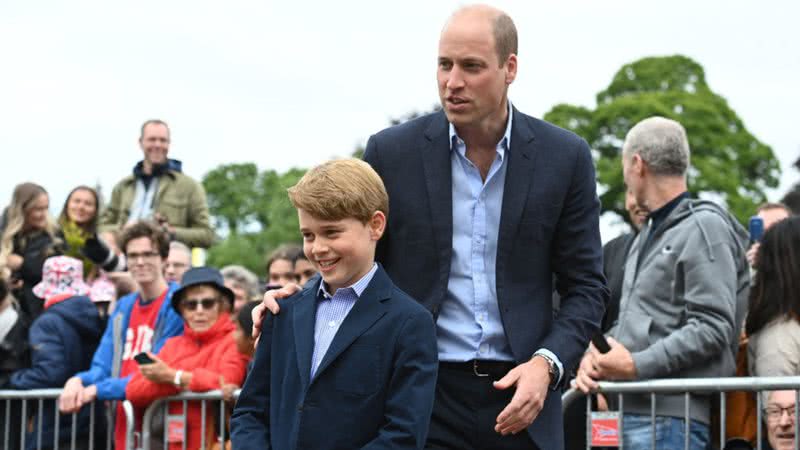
pixel 179 261
pixel 684 292
pixel 243 283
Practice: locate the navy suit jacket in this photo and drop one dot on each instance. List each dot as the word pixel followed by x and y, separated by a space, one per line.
pixel 374 387
pixel 549 224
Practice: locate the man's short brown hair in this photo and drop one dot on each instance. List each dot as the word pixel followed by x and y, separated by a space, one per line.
pixel 505 37
pixel 153 122
pixel 341 189
pixel 145 228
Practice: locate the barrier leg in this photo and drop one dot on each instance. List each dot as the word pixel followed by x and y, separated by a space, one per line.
pixel 723 419
pixel 653 420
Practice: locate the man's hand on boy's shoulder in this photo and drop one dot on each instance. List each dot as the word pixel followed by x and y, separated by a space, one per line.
pixel 270 303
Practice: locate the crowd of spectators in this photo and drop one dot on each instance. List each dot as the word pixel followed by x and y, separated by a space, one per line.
pixel 103 301
pixel 86 296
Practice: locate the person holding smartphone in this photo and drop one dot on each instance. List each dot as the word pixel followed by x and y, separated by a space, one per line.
pixel 204 358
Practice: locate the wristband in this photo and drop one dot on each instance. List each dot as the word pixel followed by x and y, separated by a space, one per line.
pixel 177 380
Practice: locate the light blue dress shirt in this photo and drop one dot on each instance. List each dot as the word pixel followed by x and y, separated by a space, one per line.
pixel 331 312
pixel 469 324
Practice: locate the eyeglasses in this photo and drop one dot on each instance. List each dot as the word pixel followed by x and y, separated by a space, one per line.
pixel 776 412
pixel 205 303
pixel 142 255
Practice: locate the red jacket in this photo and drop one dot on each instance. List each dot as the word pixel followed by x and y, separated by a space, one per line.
pixel 212 358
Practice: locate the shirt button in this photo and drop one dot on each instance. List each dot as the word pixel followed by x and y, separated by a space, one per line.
pixel 332 323
pixel 484 348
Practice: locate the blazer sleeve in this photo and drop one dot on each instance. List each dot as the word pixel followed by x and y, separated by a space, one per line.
pixel 577 261
pixel 371 158
pixel 412 386
pixel 109 219
pixel 250 418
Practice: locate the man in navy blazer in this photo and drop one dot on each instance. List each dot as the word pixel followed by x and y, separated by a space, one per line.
pixel 490 207
pixel 350 363
pixel 487 205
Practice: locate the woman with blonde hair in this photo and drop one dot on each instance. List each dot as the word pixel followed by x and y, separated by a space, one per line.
pixel 27 239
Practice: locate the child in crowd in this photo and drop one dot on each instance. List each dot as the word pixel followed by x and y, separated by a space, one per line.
pixel 351 361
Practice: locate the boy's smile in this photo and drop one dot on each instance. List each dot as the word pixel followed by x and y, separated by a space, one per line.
pixel 343 251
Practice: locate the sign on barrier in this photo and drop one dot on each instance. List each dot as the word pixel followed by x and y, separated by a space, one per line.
pixel 605 429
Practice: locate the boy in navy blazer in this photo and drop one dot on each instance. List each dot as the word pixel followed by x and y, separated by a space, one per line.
pixel 351 361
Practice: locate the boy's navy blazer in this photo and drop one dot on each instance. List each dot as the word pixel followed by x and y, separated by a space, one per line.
pixel 373 389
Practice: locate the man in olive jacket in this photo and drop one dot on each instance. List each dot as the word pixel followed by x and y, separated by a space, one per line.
pixel 158 190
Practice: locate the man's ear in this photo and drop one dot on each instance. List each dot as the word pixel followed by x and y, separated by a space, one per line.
pixel 377 225
pixel 511 68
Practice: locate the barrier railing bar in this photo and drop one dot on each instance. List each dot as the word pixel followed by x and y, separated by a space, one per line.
pixel 653 421
pixel 723 422
pixel 166 413
pixel 222 423
pixel 57 426
pixel 688 426
pixel 8 423
pixel 39 414
pixel 91 426
pixel 74 437
pixel 796 425
pixel 24 414
pixel 588 423
pixel 130 424
pixel 185 424
pixel 758 420
pixel 203 424
pixel 619 420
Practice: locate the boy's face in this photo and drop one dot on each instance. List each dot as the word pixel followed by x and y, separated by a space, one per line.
pixel 342 251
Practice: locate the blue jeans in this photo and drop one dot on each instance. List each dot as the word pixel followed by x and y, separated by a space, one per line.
pixel 637 433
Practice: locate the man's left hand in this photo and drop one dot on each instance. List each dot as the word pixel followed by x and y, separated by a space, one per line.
pixel 158 371
pixel 617 364
pixel 532 380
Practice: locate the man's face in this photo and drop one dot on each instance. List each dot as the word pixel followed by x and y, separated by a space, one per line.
pixel 636 213
pixel 178 262
pixel 772 216
pixel 342 251
pixel 780 412
pixel 472 82
pixel 155 143
pixel 144 262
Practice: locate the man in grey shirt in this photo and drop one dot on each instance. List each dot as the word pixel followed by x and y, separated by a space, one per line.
pixel 684 292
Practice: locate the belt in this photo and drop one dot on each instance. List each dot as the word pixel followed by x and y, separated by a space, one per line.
pixel 480 367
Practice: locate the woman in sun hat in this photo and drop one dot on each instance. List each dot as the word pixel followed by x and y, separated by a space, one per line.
pixel 62 341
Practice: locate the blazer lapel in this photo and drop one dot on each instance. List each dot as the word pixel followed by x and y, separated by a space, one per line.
pixel 304 317
pixel 369 308
pixel 519 174
pixel 438 179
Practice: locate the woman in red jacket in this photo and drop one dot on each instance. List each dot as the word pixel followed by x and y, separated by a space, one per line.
pixel 205 358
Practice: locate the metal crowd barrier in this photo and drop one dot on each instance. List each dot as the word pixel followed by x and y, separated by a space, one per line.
pixel 162 404
pixel 39 398
pixel 689 386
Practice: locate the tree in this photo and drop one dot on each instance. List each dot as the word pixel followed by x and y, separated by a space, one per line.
pixel 792 198
pixel 253 212
pixel 727 161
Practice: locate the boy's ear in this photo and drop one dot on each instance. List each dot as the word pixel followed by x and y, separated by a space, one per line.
pixel 377 225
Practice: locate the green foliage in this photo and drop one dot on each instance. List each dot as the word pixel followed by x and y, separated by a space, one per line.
pixel 726 159
pixel 255 211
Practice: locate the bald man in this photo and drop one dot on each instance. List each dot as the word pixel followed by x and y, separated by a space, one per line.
pixel 487 204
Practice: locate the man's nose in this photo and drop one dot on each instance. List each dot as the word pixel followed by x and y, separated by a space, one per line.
pixel 455 79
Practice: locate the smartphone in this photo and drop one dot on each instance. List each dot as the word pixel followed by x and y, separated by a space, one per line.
pixel 143 358
pixel 756 228
pixel 600 343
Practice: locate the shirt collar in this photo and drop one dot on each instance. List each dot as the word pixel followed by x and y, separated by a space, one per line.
pixel 662 213
pixel 358 287
pixel 502 146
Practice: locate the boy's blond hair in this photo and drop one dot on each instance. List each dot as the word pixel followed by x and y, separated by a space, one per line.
pixel 341 189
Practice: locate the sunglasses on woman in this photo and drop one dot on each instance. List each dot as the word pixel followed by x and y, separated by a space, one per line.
pixel 205 303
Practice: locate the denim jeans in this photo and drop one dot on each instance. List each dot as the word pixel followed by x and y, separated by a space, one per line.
pixel 637 432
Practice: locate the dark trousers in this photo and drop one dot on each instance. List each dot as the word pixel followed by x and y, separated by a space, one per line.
pixel 465 411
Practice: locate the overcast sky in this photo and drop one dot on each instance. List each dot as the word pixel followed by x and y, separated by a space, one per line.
pixel 288 84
